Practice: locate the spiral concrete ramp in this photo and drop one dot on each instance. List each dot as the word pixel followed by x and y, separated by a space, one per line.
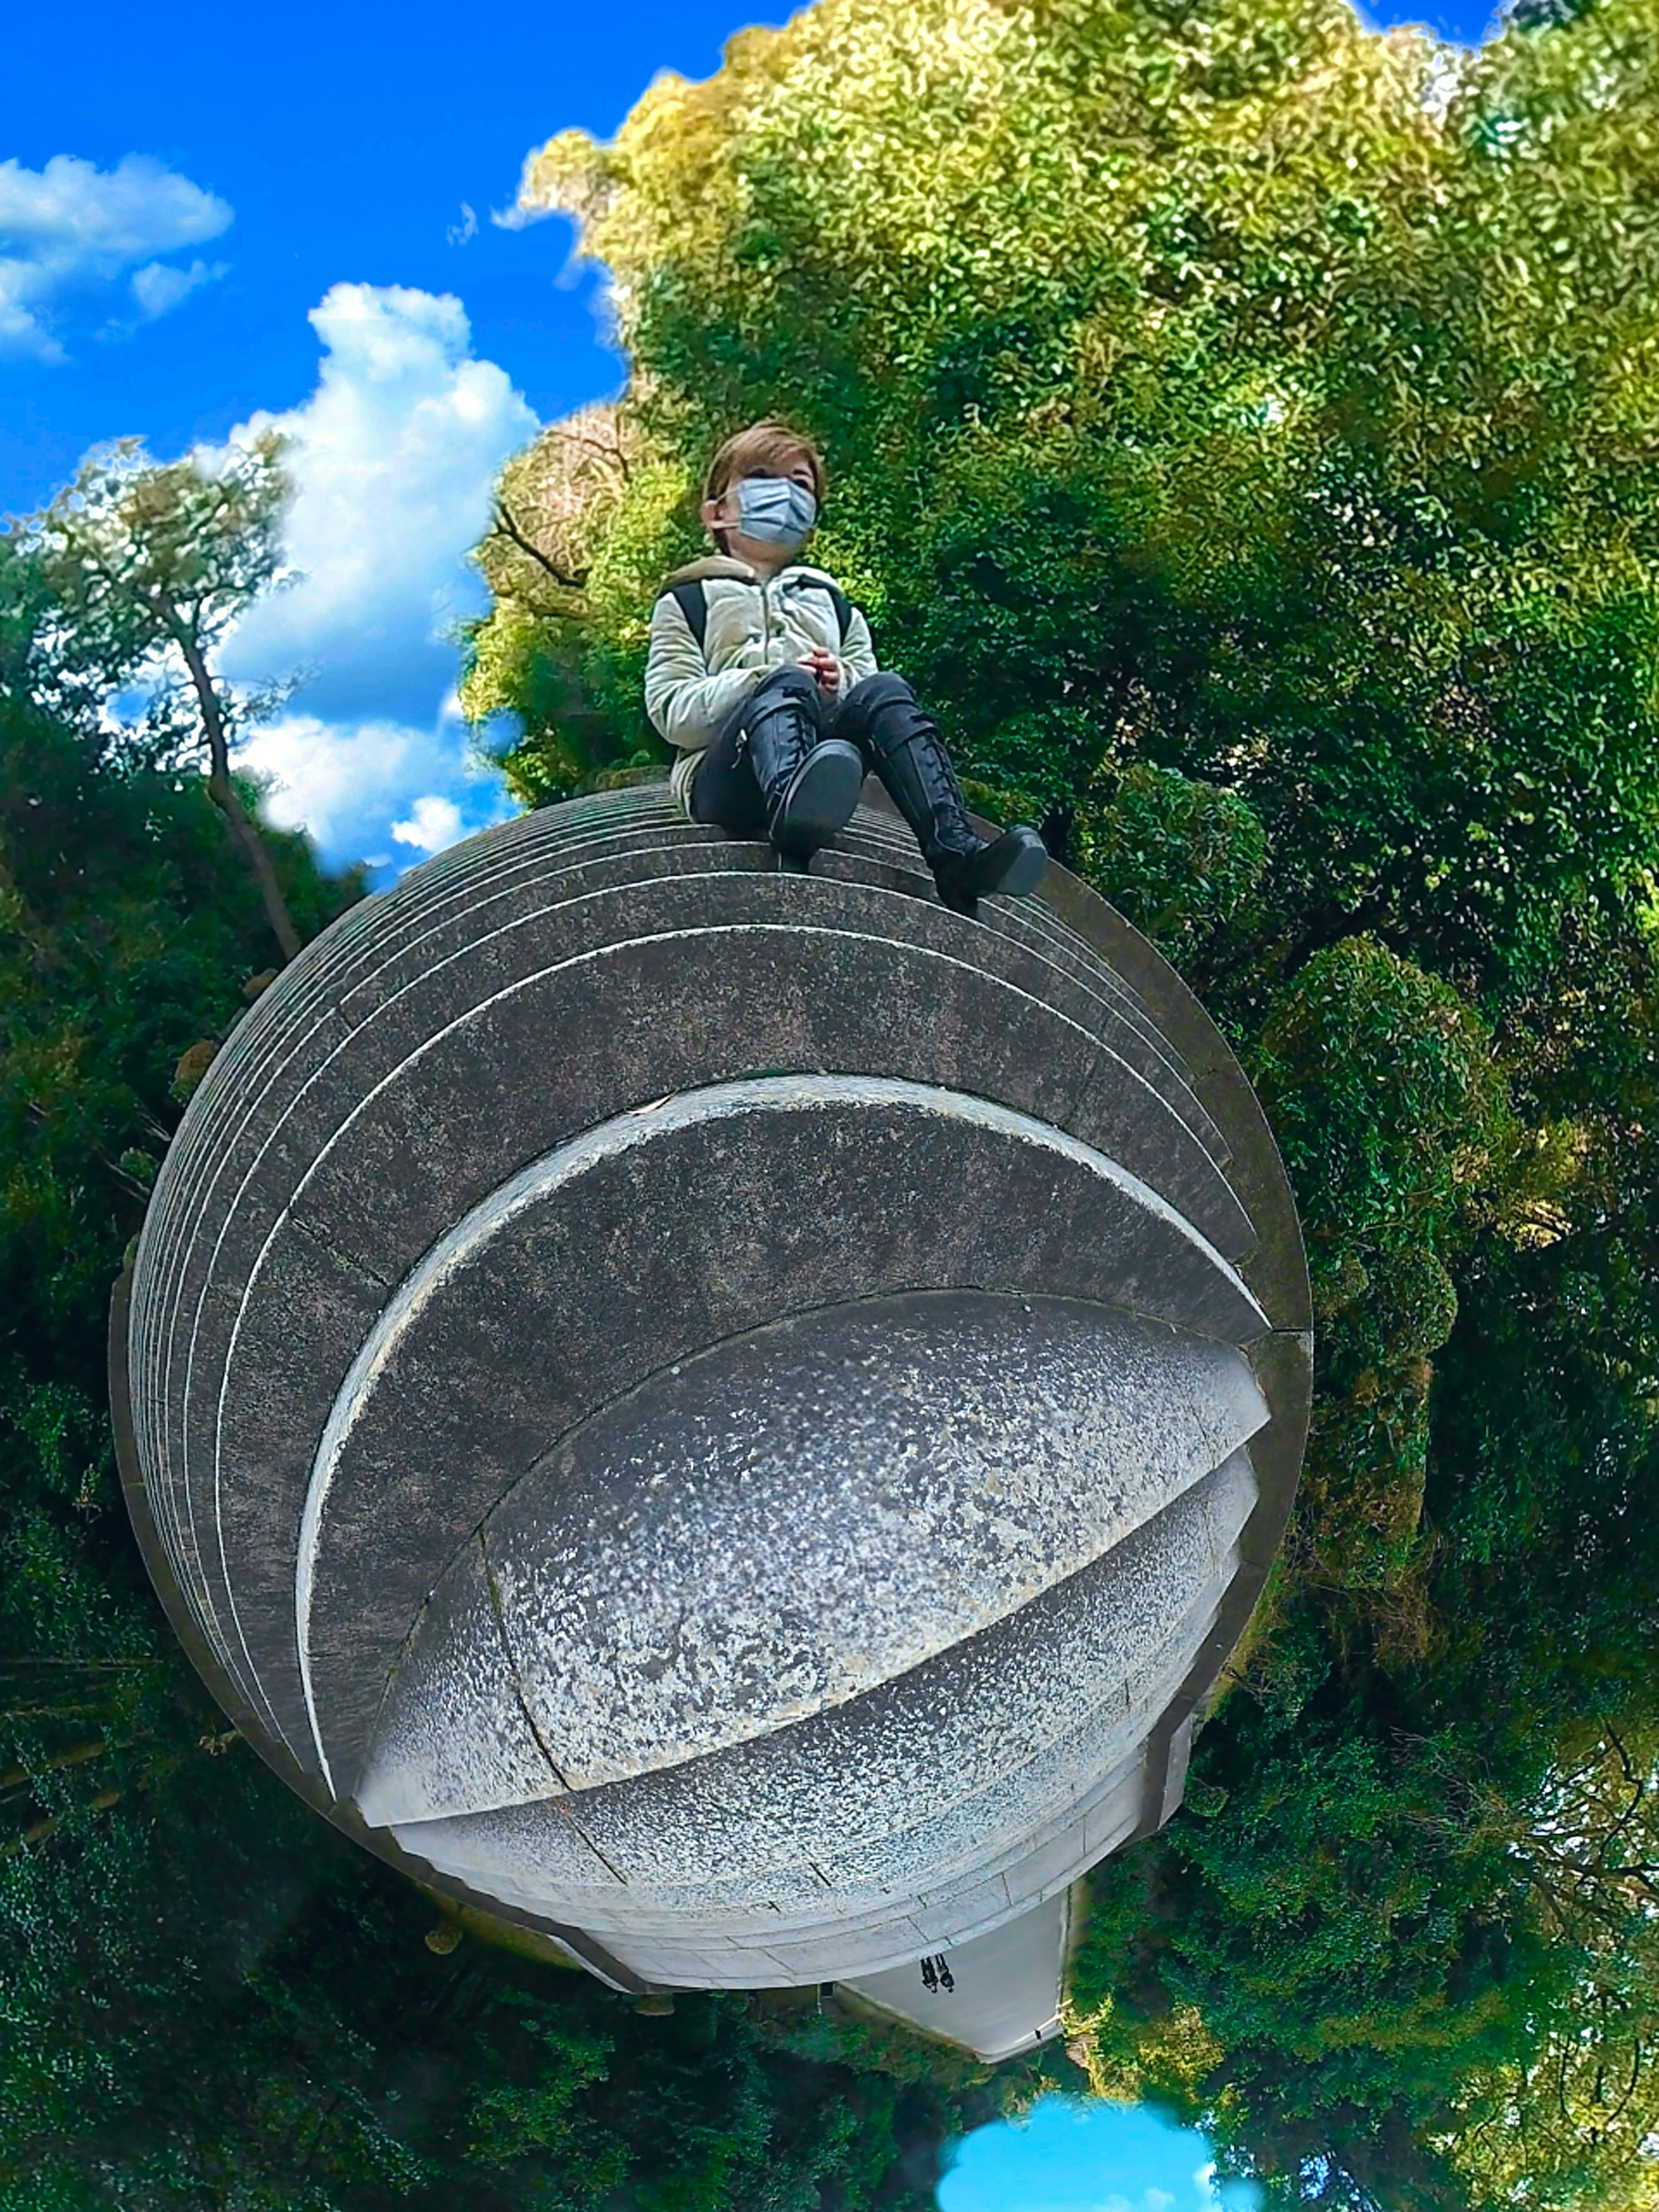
pixel 730 1417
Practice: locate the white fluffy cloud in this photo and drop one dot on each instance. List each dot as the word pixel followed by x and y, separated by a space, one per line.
pixel 158 288
pixel 393 458
pixel 70 229
pixel 346 784
pixel 434 823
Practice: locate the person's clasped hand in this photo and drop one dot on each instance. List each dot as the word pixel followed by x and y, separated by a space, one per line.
pixel 823 665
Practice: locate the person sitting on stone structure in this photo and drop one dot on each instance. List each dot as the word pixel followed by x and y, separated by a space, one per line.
pixel 762 674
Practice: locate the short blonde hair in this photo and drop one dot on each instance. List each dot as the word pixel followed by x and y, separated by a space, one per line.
pixel 760 450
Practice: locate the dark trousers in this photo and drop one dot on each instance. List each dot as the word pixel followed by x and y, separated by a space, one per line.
pixel 724 791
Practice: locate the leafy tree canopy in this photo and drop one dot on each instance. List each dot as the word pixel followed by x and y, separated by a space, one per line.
pixel 1242 426
pixel 150 566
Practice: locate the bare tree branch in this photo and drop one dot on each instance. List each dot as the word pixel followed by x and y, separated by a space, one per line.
pixel 509 528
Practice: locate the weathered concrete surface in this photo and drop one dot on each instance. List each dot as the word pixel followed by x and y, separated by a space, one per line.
pixel 805 1516
pixel 1000 1998
pixel 943 1780
pixel 756 1188
pixel 739 1413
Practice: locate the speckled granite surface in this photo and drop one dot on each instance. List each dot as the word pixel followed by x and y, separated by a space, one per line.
pixel 730 1417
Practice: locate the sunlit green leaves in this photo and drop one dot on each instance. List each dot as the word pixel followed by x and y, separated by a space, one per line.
pixel 1245 429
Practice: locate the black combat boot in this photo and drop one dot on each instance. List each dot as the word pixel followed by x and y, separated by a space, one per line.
pixel 810 784
pixel 910 759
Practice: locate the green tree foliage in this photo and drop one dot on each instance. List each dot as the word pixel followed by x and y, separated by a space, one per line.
pixel 552 553
pixel 1243 427
pixel 1237 387
pixel 150 566
pixel 1180 858
pixel 209 2001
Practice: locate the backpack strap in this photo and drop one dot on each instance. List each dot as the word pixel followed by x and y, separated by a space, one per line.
pixel 693 605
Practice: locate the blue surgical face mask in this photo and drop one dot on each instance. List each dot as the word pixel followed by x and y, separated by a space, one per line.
pixel 776 510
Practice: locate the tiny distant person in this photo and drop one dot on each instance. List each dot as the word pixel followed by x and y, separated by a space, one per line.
pixel 762 675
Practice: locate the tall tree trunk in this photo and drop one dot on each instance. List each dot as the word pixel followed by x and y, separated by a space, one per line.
pixel 222 792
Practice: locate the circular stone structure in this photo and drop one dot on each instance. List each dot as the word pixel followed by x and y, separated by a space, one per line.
pixel 730 1417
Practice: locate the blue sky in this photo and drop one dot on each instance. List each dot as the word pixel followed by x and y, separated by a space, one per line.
pixel 1070 2154
pixel 245 214
pixel 231 215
